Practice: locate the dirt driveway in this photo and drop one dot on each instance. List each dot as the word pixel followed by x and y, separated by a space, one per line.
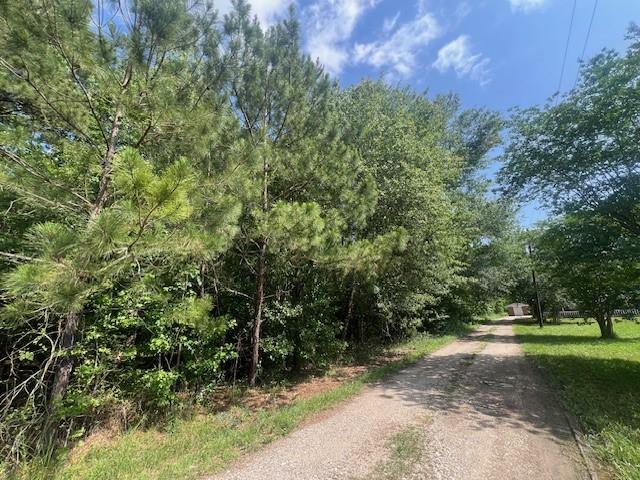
pixel 477 410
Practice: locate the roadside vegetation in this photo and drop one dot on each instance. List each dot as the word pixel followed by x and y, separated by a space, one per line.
pixel 597 380
pixel 208 442
pixel 579 155
pixel 190 203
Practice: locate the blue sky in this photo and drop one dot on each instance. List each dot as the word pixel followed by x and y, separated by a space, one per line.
pixel 493 53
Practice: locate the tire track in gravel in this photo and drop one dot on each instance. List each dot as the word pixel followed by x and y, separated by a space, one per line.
pixel 490 416
pixel 502 421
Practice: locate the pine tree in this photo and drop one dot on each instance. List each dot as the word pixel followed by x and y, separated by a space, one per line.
pixel 80 88
pixel 303 172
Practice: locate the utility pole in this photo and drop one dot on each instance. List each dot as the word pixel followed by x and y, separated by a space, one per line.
pixel 535 287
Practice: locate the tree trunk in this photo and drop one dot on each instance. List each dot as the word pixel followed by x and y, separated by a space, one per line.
pixel 257 319
pixel 261 278
pixel 605 322
pixel 203 273
pixel 65 364
pixel 237 359
pixel 107 162
pixel 349 313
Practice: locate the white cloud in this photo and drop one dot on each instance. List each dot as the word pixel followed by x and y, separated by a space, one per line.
pixel 526 5
pixel 390 23
pixel 462 10
pixel 267 11
pixel 457 55
pixel 329 25
pixel 400 49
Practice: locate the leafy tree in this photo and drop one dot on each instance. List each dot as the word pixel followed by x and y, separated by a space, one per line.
pixel 552 294
pixel 595 260
pixel 579 154
pixel 494 260
pixel 418 151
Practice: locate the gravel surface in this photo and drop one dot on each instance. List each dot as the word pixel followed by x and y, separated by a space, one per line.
pixel 490 417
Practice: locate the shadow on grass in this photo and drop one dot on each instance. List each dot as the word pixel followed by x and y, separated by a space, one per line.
pixel 599 390
pixel 551 339
pixel 598 380
pixel 571 339
pixel 576 337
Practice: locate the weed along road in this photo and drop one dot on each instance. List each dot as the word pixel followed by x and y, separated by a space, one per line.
pixel 475 409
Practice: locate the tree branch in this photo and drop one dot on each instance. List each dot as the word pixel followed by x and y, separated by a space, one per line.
pixel 24 164
pixel 37 89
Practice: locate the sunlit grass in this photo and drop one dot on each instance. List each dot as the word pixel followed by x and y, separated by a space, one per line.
pixel 599 380
pixel 492 316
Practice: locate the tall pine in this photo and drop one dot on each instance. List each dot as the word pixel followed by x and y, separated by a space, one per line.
pixel 126 88
pixel 308 185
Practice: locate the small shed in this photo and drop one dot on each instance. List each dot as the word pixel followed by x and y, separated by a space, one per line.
pixel 518 309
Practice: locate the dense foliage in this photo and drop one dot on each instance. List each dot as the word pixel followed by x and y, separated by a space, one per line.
pixel 594 262
pixel 189 200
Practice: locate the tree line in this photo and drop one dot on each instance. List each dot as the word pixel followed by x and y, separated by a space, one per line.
pixel 189 199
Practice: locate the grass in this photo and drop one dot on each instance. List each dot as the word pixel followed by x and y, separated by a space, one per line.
pixel 208 443
pixel 492 316
pixel 599 381
pixel 405 449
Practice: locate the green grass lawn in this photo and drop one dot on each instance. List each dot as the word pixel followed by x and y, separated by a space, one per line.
pixel 599 381
pixel 208 443
pixel 491 316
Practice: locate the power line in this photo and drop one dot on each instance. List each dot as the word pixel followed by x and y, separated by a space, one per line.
pixel 566 47
pixel 586 40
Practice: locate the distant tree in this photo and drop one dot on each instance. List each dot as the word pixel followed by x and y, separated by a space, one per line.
pixel 595 261
pixel 494 260
pixel 553 295
pixel 582 154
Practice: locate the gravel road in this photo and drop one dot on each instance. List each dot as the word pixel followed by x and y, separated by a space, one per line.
pixel 490 416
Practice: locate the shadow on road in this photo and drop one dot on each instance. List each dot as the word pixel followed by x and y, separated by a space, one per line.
pixel 488 382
